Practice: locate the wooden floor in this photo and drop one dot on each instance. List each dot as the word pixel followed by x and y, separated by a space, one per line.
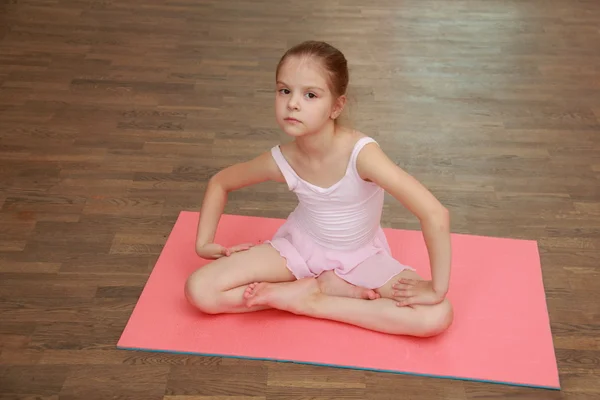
pixel 113 115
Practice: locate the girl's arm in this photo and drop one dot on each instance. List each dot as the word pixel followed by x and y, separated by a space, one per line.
pixel 257 170
pixel 375 166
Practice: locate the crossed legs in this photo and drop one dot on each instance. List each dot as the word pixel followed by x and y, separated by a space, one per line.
pixel 258 279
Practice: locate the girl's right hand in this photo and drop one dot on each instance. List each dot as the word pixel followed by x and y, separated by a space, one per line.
pixel 212 251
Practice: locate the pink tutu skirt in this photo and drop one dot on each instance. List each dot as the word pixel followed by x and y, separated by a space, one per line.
pixel 370 266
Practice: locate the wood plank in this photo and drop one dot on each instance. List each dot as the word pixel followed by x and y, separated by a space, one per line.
pixel 217 380
pixel 114 115
pixel 120 357
pixel 32 380
pixel 101 382
pixel 385 386
pixel 281 377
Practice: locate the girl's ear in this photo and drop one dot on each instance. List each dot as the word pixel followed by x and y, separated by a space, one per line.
pixel 338 107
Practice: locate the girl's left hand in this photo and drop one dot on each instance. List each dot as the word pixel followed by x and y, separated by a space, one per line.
pixel 414 291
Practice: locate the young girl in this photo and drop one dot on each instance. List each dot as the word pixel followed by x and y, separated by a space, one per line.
pixel 330 259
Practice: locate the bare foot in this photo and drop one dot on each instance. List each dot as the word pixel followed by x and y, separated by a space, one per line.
pixel 252 289
pixel 333 285
pixel 294 297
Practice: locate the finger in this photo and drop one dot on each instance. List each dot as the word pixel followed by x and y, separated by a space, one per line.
pixel 237 249
pixel 405 303
pixel 411 301
pixel 404 293
pixel 241 247
pixel 407 281
pixel 413 298
pixel 401 286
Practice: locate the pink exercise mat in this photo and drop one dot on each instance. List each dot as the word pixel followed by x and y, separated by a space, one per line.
pixel 501 331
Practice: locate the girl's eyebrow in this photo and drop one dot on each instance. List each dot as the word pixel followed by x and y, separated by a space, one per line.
pixel 305 87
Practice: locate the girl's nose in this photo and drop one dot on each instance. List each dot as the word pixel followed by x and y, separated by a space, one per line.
pixel 293 104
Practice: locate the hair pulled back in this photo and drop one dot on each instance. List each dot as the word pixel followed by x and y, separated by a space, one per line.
pixel 331 59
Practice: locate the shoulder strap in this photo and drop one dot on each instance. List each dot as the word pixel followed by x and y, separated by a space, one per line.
pixel 357 148
pixel 285 168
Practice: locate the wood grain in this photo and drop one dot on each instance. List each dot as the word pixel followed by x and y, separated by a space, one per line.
pixel 114 114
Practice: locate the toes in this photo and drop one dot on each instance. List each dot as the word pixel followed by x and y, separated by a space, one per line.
pixel 373 295
pixel 249 292
pixel 368 294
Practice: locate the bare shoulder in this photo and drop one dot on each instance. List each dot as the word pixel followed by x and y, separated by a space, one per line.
pixel 371 149
pixel 259 169
pixel 348 139
pixel 353 136
pixel 372 159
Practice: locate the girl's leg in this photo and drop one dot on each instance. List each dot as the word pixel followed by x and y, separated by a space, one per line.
pixel 329 284
pixel 333 285
pixel 218 287
pixel 304 297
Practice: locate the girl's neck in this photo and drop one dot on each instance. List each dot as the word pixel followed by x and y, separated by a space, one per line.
pixel 317 145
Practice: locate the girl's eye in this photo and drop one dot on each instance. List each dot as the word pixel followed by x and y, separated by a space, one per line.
pixel 284 91
pixel 311 95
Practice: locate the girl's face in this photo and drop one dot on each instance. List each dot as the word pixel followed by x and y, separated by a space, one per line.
pixel 303 102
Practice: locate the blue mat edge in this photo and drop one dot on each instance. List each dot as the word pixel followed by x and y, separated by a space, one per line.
pixel 336 366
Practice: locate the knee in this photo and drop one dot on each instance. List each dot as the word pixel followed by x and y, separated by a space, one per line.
pixel 436 319
pixel 199 294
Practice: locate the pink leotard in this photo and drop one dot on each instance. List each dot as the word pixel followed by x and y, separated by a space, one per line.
pixel 336 228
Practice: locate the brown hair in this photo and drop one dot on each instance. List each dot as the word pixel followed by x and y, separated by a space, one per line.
pixel 332 60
